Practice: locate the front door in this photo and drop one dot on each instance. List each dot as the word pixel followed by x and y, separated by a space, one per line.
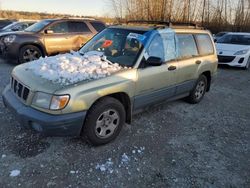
pixel 57 39
pixel 156 83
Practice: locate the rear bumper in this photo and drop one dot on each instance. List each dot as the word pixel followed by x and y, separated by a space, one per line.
pixel 48 124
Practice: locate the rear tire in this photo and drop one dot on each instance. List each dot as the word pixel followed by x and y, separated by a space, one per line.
pixel 29 53
pixel 198 91
pixel 104 121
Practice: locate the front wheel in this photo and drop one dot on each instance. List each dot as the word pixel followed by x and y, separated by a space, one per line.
pixel 104 121
pixel 248 64
pixel 29 53
pixel 198 91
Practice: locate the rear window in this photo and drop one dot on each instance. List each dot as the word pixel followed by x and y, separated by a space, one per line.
pixel 187 46
pixel 4 24
pixel 78 27
pixel 98 26
pixel 204 43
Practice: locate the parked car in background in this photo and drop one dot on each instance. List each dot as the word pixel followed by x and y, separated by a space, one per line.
pixel 234 49
pixel 4 23
pixel 16 26
pixel 120 71
pixel 219 35
pixel 48 37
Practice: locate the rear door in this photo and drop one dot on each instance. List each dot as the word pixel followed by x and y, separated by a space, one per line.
pixel 157 83
pixel 79 34
pixel 189 62
pixel 58 41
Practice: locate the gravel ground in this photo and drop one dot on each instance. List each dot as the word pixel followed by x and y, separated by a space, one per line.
pixel 172 145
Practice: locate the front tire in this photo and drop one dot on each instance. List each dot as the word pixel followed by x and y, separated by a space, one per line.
pixel 29 53
pixel 198 91
pixel 248 64
pixel 104 121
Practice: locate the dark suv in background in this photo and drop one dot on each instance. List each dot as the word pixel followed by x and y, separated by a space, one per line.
pixel 48 37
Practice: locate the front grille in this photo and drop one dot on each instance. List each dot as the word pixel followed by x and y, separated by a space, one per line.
pixel 225 59
pixel 19 89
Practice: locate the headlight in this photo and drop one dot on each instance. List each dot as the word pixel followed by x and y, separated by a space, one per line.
pixel 242 52
pixel 9 39
pixel 50 102
pixel 59 102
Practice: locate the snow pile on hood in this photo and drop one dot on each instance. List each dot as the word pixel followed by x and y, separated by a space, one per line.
pixel 73 67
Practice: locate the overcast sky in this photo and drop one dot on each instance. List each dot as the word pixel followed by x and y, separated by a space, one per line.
pixel 74 7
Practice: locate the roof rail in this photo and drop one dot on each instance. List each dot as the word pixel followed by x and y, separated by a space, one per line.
pixel 159 24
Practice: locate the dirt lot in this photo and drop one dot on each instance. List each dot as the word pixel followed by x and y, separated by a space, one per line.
pixel 173 145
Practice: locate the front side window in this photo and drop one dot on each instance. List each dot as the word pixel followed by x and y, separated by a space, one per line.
pixel 61 27
pixel 118 45
pixel 78 27
pixel 204 44
pixel 156 48
pixel 187 46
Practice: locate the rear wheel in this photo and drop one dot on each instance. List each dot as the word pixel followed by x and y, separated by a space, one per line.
pixel 199 90
pixel 29 53
pixel 104 121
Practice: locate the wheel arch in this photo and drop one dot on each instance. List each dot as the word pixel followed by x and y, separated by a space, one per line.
pixel 208 76
pixel 124 99
pixel 38 45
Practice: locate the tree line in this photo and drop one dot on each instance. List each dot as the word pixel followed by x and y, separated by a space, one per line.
pixel 216 15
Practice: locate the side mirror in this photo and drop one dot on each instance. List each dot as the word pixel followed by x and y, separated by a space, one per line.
pixel 48 31
pixel 154 61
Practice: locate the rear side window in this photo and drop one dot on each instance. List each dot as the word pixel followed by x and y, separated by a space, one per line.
pixel 78 27
pixel 187 46
pixel 98 26
pixel 204 43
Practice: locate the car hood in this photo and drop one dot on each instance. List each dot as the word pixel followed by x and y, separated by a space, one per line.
pixel 36 83
pixel 4 33
pixel 229 49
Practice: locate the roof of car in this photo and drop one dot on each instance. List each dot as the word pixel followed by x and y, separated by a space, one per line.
pixel 238 33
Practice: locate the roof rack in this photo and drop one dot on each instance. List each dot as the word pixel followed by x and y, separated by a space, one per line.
pixel 160 24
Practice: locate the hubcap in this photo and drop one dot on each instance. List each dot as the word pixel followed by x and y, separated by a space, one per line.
pixel 31 55
pixel 107 123
pixel 200 89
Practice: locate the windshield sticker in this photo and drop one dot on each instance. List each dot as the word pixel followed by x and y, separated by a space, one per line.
pixel 107 43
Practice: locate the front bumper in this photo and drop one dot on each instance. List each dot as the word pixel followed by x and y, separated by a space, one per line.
pixel 9 52
pixel 235 61
pixel 48 124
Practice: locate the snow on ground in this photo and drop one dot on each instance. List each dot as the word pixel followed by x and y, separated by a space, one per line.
pixel 73 67
pixel 15 173
pixel 109 166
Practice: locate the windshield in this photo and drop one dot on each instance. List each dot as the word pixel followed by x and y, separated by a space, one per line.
pixel 118 45
pixel 4 24
pixel 9 27
pixel 235 39
pixel 38 26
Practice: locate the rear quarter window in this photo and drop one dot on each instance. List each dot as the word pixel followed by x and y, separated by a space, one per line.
pixel 186 46
pixel 98 26
pixel 204 43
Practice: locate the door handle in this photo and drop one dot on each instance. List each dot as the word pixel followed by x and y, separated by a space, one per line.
pixel 171 68
pixel 198 62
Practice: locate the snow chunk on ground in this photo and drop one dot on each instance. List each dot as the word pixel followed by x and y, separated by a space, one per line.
pixel 3 156
pixel 73 67
pixel 108 166
pixel 15 173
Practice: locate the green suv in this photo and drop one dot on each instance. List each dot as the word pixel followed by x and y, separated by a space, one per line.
pixel 120 71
